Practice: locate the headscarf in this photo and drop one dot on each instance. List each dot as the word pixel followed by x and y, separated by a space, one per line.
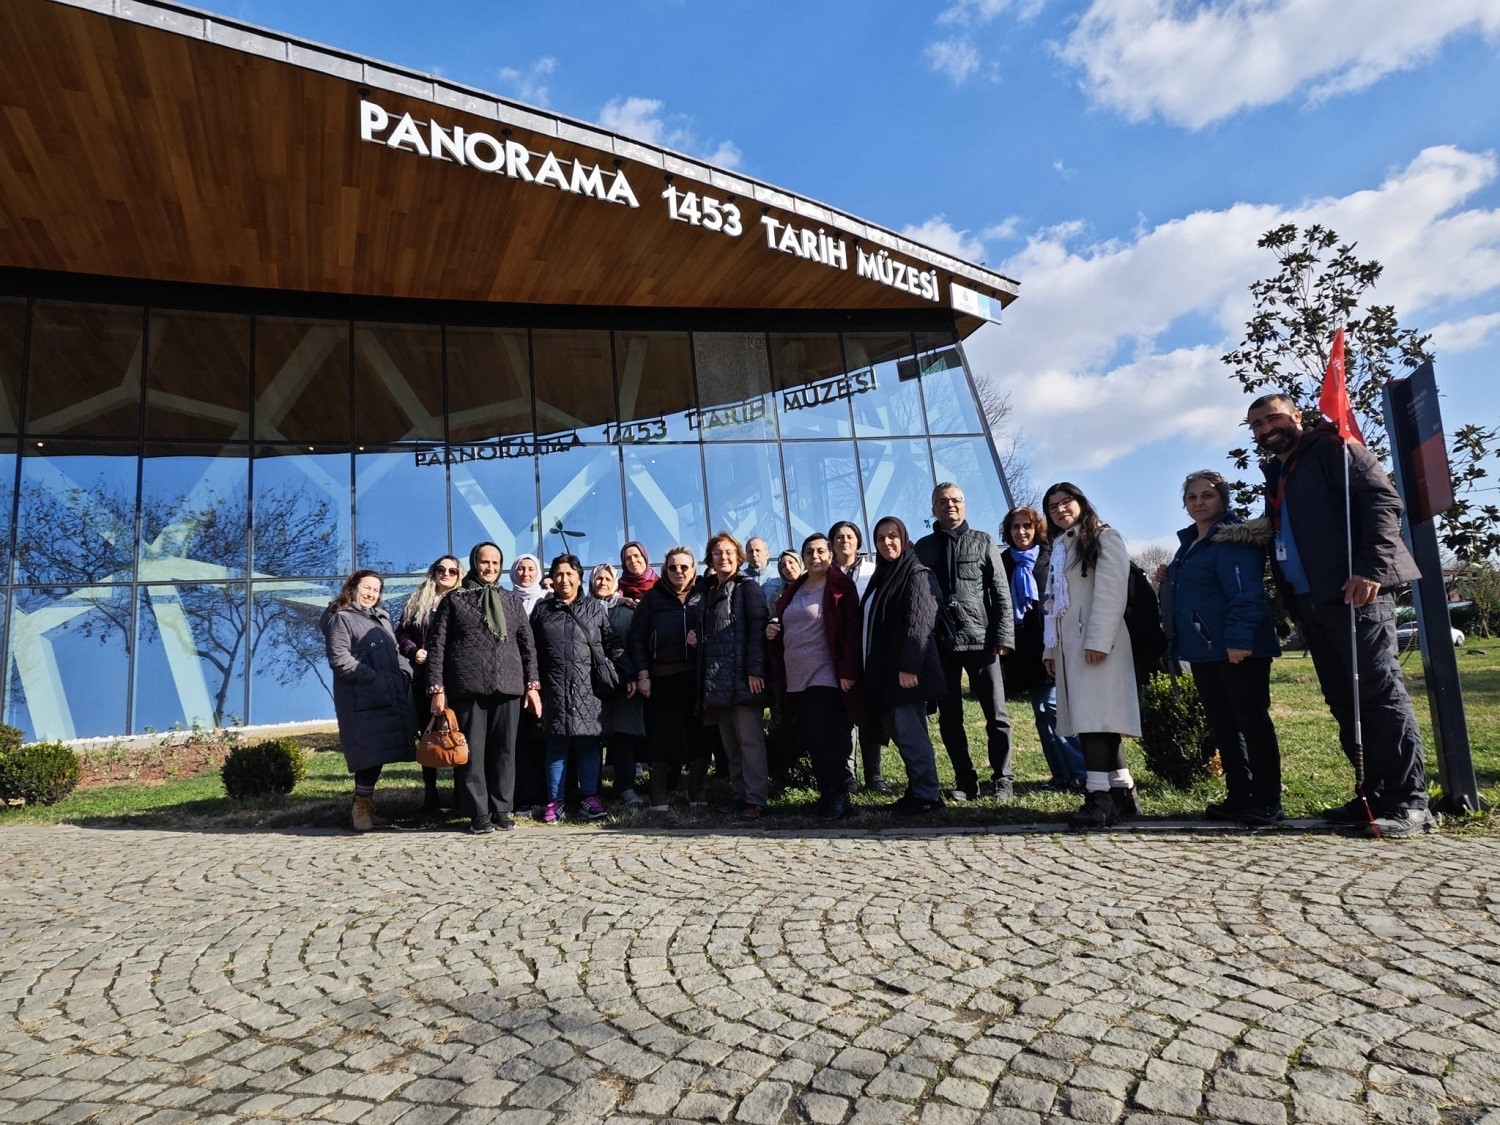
pixel 532 594
pixel 614 599
pixel 634 585
pixel 889 579
pixel 1023 591
pixel 490 603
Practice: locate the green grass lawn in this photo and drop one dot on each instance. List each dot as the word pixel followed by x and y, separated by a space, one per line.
pixel 1314 770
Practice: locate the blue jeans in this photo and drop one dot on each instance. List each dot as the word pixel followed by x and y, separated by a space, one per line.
pixel 587 756
pixel 908 727
pixel 1063 753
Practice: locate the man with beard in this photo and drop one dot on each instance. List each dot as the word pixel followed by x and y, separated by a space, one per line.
pixel 1305 491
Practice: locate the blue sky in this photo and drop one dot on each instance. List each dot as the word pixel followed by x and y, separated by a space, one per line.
pixel 1117 157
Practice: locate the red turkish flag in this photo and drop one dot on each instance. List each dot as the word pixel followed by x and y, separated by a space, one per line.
pixel 1334 401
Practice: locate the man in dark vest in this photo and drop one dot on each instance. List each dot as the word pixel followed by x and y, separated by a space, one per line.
pixel 976 605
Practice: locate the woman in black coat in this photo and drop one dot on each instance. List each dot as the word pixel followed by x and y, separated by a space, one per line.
pixel 481 656
pixel 1026 557
pixel 411 636
pixel 578 655
pixel 734 671
pixel 903 668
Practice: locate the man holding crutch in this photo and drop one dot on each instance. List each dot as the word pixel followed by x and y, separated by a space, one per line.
pixel 1336 554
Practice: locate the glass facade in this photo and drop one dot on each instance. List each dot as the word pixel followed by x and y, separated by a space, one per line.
pixel 181 491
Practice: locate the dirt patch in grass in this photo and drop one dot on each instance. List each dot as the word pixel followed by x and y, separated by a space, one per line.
pixel 170 759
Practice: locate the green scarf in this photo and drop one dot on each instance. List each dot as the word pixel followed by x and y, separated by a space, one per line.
pixel 490 602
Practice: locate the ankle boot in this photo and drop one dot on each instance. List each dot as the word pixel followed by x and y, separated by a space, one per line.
pixel 1098 812
pixel 659 793
pixel 697 779
pixel 363 817
pixel 1127 803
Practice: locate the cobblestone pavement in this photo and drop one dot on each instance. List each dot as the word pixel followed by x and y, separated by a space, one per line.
pixel 564 975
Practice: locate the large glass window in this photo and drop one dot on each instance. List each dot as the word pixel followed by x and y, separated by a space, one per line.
pixel 69 661
pixel 290 680
pixel 655 371
pixel 950 403
pixel 198 375
pixel 746 495
pixel 494 500
pixel 664 497
pixel 12 350
pixel 398 383
pixel 898 482
pixel 85 370
pixel 195 513
pixel 889 398
pixel 400 509
pixel 192 640
pixel 489 383
pixel 812 390
pixel 734 386
pixel 581 511
pixel 969 463
pixel 7 502
pixel 822 483
pixel 77 513
pixel 575 386
pixel 301 380
pixel 302 516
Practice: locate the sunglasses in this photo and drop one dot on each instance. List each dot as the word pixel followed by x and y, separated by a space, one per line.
pixel 447 570
pixel 680 566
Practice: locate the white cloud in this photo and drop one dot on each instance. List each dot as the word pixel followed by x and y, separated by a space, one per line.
pixel 527 82
pixel 940 234
pixel 1098 354
pixel 646 120
pixel 1194 66
pixel 957 58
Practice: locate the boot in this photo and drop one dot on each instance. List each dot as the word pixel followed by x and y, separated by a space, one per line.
pixel 1097 813
pixel 660 797
pixel 697 779
pixel 363 817
pixel 1127 803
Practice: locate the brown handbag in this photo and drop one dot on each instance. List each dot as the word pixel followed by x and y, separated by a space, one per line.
pixel 443 745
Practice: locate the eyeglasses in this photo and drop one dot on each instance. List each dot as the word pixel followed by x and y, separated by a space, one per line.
pixel 1061 502
pixel 447 570
pixel 681 566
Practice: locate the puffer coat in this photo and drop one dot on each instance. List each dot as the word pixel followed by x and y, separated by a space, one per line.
pixel 570 638
pixel 371 687
pixel 1214 596
pixel 733 645
pixel 469 660
pixel 659 630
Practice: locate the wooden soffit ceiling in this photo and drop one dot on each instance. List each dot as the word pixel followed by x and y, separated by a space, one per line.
pixel 177 147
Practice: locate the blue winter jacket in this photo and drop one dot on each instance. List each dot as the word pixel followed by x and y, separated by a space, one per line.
pixel 1215 596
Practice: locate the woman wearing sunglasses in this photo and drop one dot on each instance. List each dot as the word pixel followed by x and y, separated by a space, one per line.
pixel 411 637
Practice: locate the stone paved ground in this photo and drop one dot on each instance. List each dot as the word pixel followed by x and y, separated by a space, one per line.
pixel 557 976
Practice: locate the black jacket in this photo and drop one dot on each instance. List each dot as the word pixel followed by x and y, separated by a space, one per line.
pixel 902 640
pixel 981 593
pixel 659 629
pixel 569 639
pixel 467 659
pixel 733 641
pixel 1315 503
pixel 1023 668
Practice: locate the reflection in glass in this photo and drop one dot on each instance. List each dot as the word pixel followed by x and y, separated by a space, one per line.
pixel 198 375
pixel 655 386
pixel 494 500
pixel 12 349
pixel 822 485
pixel 301 380
pixel 883 361
pixel 664 497
pixel 77 513
pixel 581 512
pixel 7 502
pixel 898 482
pixel 289 676
pixel 195 513
pixel 812 392
pixel 746 495
pixel 69 662
pixel 969 463
pixel 575 386
pixel 950 401
pixel 489 383
pixel 400 510
pixel 302 516
pixel 734 386
pixel 85 370
pixel 398 382
pixel 191 643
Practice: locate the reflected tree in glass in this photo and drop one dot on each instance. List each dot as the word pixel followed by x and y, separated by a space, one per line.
pixel 951 408
pixel 69 661
pixel 76 521
pixel 290 676
pixel 190 658
pixel 969 463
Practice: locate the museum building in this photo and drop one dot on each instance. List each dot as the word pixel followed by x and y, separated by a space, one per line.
pixel 270 312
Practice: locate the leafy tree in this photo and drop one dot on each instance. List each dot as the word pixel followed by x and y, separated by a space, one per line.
pixel 1320 281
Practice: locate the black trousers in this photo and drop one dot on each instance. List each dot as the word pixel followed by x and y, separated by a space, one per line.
pixel 624 752
pixel 983 669
pixel 1237 702
pixel 674 732
pixel 1394 773
pixel 490 723
pixel 820 724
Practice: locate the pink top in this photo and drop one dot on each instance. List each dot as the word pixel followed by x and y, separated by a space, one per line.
pixel 804 642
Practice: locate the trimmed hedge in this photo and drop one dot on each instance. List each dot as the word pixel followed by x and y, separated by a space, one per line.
pixel 42 773
pixel 1174 731
pixel 263 768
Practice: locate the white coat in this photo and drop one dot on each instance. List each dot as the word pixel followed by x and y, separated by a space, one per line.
pixel 1095 697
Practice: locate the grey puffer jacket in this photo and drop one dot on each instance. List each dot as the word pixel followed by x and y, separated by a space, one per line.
pixel 977 586
pixel 570 638
pixel 371 687
pixel 734 642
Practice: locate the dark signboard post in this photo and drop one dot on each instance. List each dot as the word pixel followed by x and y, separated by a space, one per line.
pixel 1421 461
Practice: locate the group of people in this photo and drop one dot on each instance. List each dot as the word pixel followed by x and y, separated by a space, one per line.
pixel 670 670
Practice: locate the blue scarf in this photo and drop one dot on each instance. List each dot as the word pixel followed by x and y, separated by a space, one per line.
pixel 1023 591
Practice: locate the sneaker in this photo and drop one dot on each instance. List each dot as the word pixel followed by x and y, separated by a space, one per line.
pixel 1253 817
pixel 481 828
pixel 504 823
pixel 592 808
pixel 552 812
pixel 962 796
pixel 1399 824
pixel 1351 811
pixel 1002 789
pixel 1225 810
pixel 631 799
pixel 1127 802
pixel 1098 812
